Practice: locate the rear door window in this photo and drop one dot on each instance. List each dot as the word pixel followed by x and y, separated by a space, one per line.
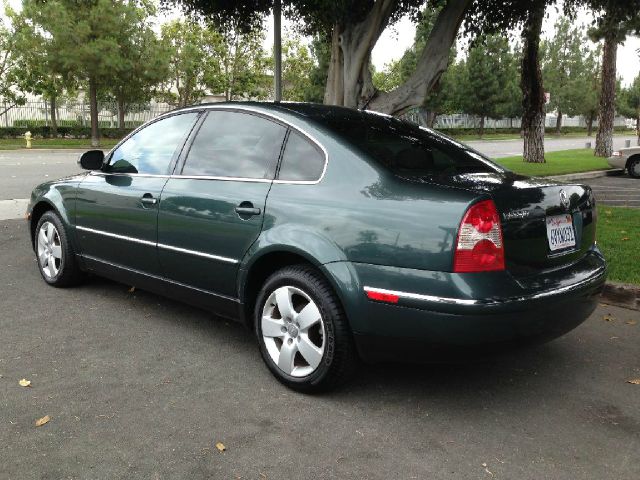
pixel 235 144
pixel 301 160
pixel 150 150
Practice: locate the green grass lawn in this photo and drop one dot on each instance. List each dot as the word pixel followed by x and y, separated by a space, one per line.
pixel 18 143
pixel 618 234
pixel 563 161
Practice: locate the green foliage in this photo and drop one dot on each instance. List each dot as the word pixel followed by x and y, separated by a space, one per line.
pixel 321 53
pixel 9 66
pixel 557 163
pixel 76 131
pixel 571 71
pixel 297 66
pixel 615 224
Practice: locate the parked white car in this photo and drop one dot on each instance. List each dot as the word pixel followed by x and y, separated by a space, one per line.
pixel 627 158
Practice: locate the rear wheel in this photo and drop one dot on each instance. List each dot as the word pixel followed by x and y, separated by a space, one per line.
pixel 633 167
pixel 55 255
pixel 302 331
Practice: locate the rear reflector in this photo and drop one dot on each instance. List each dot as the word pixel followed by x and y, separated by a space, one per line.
pixel 382 297
pixel 479 246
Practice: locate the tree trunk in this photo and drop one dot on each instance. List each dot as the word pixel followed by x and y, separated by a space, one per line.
pixel 120 112
pixel 604 137
pixel 590 125
pixel 481 126
pixel 349 79
pixel 93 108
pixel 431 118
pixel 531 84
pixel 54 119
pixel 559 122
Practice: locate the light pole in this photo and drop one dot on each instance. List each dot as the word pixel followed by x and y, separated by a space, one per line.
pixel 277 48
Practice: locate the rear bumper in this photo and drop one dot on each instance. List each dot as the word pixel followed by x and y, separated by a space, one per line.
pixel 472 314
pixel 617 162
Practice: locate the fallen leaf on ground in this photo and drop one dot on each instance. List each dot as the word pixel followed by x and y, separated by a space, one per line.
pixel 43 420
pixel 631 322
pixel 220 446
pixel 634 381
pixel 132 289
pixel 608 212
pixel 624 239
pixel 608 318
pixel 24 383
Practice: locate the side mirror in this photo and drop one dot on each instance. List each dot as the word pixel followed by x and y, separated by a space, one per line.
pixel 92 160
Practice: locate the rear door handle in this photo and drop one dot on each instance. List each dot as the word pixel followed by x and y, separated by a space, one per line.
pixel 247 209
pixel 147 199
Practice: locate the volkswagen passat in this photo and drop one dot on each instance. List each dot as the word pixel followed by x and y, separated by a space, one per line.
pixel 332 233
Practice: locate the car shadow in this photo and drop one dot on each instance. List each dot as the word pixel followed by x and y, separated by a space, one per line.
pixel 502 372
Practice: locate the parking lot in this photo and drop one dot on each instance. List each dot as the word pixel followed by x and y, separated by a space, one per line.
pixel 138 386
pixel 617 191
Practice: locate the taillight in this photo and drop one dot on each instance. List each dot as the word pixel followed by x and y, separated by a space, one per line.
pixel 479 246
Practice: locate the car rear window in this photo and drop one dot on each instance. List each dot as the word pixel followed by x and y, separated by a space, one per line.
pixel 405 148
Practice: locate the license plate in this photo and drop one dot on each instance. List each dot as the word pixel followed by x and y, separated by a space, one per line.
pixel 560 232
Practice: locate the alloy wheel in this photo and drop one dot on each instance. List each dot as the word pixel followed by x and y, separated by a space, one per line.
pixel 49 250
pixel 293 331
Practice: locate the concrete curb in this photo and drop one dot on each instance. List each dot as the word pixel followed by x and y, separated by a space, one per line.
pixel 571 177
pixel 621 295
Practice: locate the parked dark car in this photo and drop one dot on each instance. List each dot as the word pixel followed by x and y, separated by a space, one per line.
pixel 332 233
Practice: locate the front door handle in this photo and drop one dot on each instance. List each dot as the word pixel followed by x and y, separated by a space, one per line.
pixel 247 209
pixel 147 199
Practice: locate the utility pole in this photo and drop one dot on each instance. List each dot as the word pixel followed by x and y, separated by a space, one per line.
pixel 277 48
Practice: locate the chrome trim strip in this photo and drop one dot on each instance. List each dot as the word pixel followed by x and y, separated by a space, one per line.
pixel 114 235
pixel 489 302
pixel 162 279
pixel 197 253
pixel 104 174
pixel 159 245
pixel 230 179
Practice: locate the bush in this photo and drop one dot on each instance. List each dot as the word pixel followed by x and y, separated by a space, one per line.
pixel 63 132
pixel 458 132
pixel 32 123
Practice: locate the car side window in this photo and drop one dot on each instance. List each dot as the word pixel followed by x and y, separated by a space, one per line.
pixel 235 144
pixel 301 160
pixel 150 150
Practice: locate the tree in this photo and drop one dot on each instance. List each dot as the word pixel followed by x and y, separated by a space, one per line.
pixel 143 63
pixel 487 69
pixel 582 96
pixel 354 27
pixel 562 64
pixel 86 37
pixel 629 103
pixel 297 66
pixel 9 67
pixel 239 64
pixel 190 48
pixel 321 53
pixel 495 16
pixel 615 20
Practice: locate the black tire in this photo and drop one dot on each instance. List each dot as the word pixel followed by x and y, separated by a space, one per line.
pixel 633 167
pixel 68 272
pixel 339 358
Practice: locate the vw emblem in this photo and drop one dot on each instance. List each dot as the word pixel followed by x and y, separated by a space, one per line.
pixel 564 200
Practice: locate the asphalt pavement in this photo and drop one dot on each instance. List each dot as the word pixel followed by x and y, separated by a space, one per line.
pixel 137 386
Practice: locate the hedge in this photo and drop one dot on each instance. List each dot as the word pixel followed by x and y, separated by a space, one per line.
pixel 454 132
pixel 63 132
pixel 71 123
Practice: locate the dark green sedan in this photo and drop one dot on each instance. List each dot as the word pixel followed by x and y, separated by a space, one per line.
pixel 334 234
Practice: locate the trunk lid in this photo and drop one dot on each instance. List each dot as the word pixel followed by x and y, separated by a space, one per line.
pixel 526 205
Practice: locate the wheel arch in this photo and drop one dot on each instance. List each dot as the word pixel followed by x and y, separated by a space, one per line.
pixel 632 158
pixel 261 265
pixel 39 209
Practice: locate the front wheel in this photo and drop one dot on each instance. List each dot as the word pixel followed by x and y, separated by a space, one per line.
pixel 54 252
pixel 302 330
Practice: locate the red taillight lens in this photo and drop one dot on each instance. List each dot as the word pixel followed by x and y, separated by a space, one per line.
pixel 479 246
pixel 382 297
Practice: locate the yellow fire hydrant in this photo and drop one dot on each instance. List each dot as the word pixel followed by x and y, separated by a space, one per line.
pixel 27 137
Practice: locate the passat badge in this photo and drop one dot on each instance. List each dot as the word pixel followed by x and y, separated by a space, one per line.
pixel 515 214
pixel 564 200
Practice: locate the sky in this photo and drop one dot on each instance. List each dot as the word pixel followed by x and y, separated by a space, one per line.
pixel 395 40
